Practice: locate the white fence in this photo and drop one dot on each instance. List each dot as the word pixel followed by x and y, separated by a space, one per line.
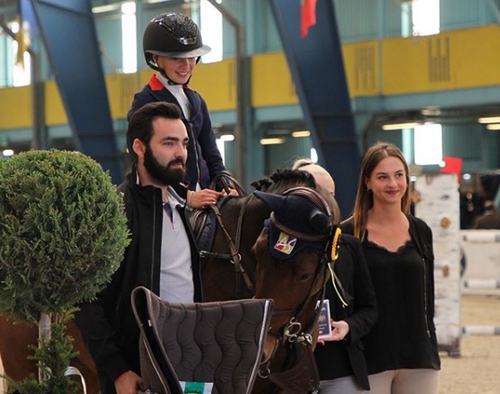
pixel 482 270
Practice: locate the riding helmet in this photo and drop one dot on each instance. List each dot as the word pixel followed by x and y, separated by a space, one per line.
pixel 172 35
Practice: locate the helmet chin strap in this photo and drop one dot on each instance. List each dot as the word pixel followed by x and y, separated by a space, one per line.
pixel 169 80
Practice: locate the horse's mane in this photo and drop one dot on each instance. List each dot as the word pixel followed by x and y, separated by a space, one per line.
pixel 284 179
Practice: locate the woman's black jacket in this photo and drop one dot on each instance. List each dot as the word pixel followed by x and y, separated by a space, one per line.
pixel 344 358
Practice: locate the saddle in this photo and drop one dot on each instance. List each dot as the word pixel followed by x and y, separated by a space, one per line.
pixel 219 343
pixel 203 223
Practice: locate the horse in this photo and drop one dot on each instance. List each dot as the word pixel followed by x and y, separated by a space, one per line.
pixel 238 264
pixel 243 263
pixel 15 338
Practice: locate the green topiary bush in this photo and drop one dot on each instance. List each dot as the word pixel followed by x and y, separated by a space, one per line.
pixel 63 231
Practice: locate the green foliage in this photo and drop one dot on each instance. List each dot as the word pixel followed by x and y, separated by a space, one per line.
pixel 53 356
pixel 63 231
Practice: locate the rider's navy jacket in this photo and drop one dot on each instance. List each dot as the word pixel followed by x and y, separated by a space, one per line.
pixel 204 160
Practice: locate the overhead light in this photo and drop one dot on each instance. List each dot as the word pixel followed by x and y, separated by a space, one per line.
pixel 301 133
pixel 272 141
pixel 430 111
pixel 7 153
pixel 105 8
pixel 489 119
pixel 402 125
pixel 227 137
pixel 493 126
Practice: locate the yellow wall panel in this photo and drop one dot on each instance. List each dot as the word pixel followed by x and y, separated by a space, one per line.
pixel 15 108
pixel 121 89
pixel 452 60
pixel 478 56
pixel 144 76
pixel 458 59
pixel 361 62
pixel 272 82
pixel 416 64
pixel 55 114
pixel 216 82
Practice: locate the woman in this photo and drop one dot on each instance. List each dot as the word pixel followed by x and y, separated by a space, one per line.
pixel 401 350
pixel 340 360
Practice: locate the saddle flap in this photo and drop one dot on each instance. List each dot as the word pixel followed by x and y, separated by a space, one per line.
pixel 157 372
pixel 217 342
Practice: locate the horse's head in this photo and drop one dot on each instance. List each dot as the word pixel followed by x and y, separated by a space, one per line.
pixel 292 252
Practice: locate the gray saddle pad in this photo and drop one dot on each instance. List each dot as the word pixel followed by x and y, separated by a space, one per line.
pixel 216 342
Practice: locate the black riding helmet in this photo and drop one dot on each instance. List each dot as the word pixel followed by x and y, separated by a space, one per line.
pixel 172 35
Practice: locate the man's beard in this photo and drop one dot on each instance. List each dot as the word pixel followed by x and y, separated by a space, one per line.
pixel 163 174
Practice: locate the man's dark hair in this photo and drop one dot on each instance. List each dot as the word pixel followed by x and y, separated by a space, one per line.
pixel 141 123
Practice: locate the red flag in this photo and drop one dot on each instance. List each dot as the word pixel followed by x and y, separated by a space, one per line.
pixel 453 165
pixel 307 16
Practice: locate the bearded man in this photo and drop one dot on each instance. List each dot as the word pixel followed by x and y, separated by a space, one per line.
pixel 162 255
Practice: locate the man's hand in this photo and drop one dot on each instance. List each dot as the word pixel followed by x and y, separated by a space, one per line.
pixel 128 383
pixel 232 192
pixel 202 198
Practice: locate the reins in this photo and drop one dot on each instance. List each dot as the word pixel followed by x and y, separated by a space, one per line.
pixel 227 180
pixel 234 247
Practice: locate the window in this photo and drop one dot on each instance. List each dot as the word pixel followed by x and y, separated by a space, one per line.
pixel 129 38
pixel 220 144
pixel 21 72
pixel 428 144
pixel 314 155
pixel 211 31
pixel 420 18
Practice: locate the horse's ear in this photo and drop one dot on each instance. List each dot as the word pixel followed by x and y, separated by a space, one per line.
pixel 297 214
pixel 273 201
pixel 319 220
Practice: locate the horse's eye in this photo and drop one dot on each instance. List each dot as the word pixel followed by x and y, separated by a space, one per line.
pixel 305 277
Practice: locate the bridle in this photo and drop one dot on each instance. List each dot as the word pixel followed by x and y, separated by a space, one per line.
pixel 294 332
pixel 296 335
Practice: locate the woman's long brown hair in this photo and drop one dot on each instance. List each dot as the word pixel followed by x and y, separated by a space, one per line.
pixel 364 197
